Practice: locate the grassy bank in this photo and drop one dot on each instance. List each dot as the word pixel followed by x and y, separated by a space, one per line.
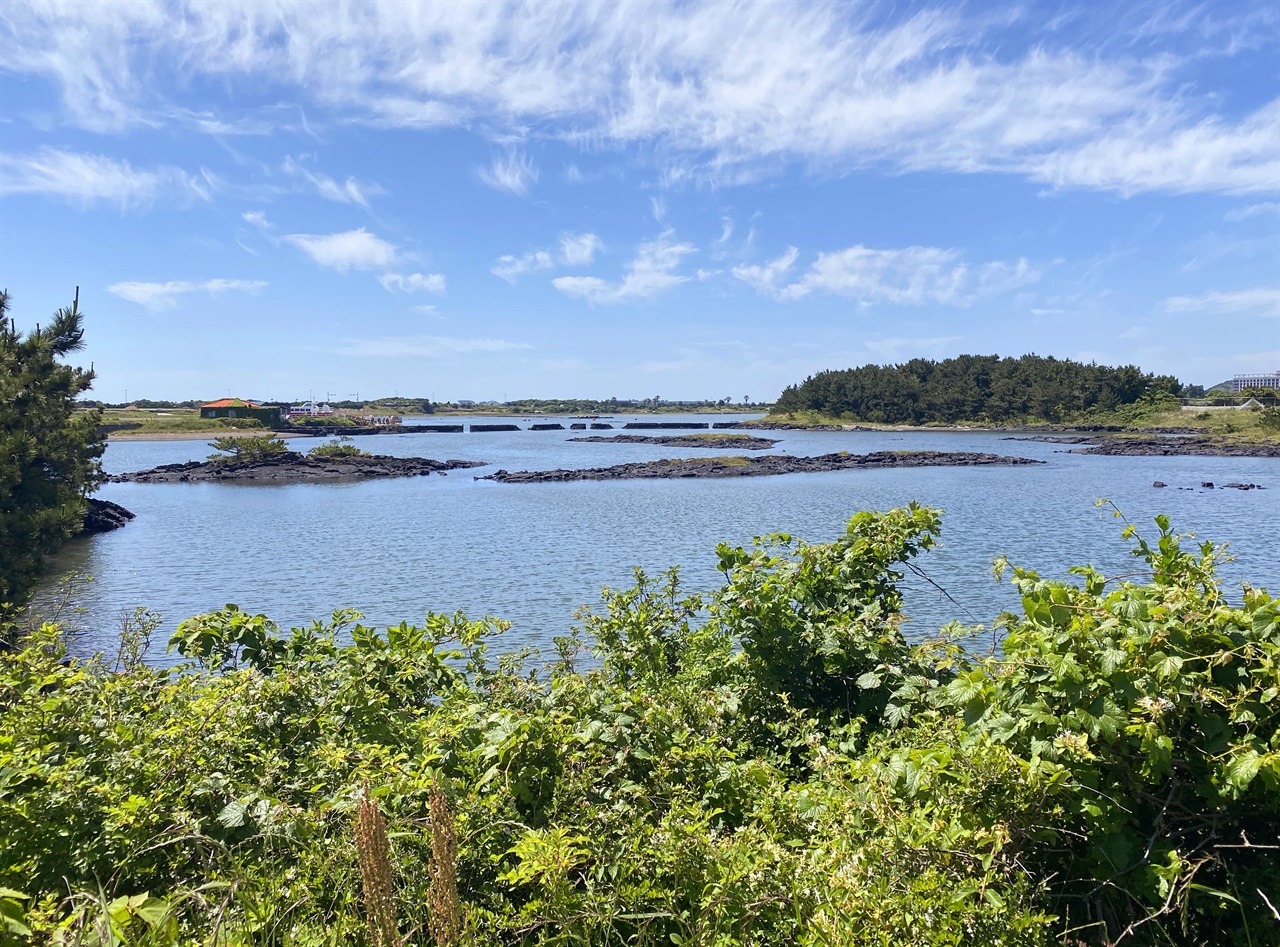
pixel 766 763
pixel 1244 424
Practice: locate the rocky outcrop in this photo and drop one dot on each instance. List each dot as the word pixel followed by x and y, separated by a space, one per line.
pixel 486 428
pixel 102 516
pixel 550 426
pixel 289 467
pixel 1179 447
pixel 768 465
pixel 713 441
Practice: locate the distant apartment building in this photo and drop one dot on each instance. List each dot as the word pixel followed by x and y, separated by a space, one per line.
pixel 1241 382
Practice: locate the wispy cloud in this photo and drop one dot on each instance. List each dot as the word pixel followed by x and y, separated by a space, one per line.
pixel 413 282
pixel 509 267
pixel 1263 301
pixel 895 347
pixel 87 179
pixel 910 275
pixel 350 191
pixel 167 295
pixel 728 91
pixel 1262 208
pixel 653 271
pixel 514 172
pixel 769 277
pixel 579 249
pixel 426 346
pixel 352 249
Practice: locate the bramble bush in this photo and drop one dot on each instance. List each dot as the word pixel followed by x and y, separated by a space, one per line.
pixel 771 762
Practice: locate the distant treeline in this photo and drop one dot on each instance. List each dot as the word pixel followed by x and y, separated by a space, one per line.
pixel 974 388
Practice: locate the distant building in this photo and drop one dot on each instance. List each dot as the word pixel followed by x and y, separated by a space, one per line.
pixel 310 409
pixel 239 408
pixel 379 420
pixel 1241 382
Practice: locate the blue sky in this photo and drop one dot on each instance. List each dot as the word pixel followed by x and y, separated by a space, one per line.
pixel 685 200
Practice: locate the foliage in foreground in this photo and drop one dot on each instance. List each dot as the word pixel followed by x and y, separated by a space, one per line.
pixel 770 763
pixel 48 450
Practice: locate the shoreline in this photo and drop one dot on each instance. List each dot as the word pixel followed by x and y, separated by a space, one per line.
pixel 194 435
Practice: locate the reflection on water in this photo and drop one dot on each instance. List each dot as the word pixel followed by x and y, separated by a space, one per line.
pixel 397 549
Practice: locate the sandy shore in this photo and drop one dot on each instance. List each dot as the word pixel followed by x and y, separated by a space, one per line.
pixel 191 435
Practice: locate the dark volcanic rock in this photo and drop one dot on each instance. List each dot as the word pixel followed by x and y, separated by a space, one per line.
pixel 293 468
pixel 478 428
pixel 715 442
pixel 768 465
pixel 104 516
pixel 1056 438
pixel 1145 446
pixel 551 426
pixel 601 427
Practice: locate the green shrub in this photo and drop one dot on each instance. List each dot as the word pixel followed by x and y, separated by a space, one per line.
pixel 339 447
pixel 770 762
pixel 246 449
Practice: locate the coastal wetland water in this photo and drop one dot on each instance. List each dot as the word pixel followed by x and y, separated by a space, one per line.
pixel 396 549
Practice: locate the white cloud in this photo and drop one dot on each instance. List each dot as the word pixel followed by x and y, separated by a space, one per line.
pixel 650 273
pixel 167 295
pixel 767 278
pixel 1212 155
pixel 513 173
pixel 349 192
pixel 257 218
pixel 352 249
pixel 579 249
pixel 1262 301
pixel 86 179
pixel 412 282
pixel 509 267
pixel 427 346
pixel 725 90
pixel 911 275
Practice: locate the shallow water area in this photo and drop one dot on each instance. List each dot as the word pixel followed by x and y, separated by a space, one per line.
pixel 396 549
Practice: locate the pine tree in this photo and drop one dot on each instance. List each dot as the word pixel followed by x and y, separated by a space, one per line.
pixel 50 448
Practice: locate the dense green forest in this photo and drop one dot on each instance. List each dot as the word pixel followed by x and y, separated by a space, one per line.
pixel 977 388
pixel 769 763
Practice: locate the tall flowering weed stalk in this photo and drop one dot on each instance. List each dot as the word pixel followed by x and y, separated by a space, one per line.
pixel 373 852
pixel 444 910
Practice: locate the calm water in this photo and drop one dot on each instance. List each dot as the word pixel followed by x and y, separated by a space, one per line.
pixel 533 553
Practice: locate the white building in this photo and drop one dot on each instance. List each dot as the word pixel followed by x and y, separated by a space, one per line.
pixel 1241 382
pixel 310 409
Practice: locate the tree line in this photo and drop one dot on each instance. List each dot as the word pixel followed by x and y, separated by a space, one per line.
pixel 975 388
